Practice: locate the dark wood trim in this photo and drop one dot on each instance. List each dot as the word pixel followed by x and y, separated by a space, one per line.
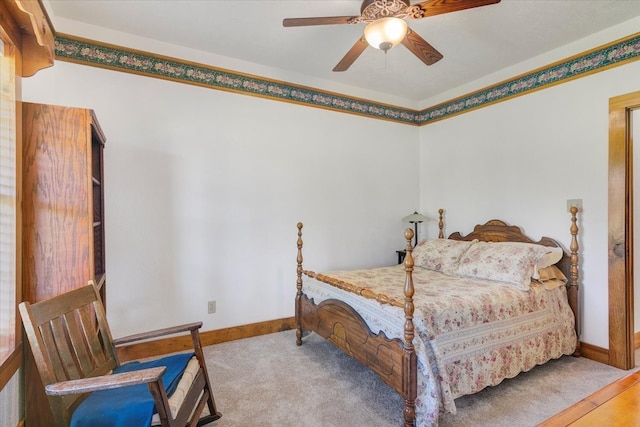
pixel 180 343
pixel 595 353
pixel 10 366
pixel 620 233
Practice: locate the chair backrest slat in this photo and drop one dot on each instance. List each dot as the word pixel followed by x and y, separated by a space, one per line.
pixel 64 350
pixel 91 333
pixel 52 359
pixel 70 339
pixel 102 343
pixel 81 357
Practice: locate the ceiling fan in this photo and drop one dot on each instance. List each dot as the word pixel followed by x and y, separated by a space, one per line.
pixel 386 26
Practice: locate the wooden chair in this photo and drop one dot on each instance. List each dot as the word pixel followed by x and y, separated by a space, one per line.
pixel 75 354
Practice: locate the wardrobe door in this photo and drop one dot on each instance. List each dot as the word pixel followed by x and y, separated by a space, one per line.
pixel 63 227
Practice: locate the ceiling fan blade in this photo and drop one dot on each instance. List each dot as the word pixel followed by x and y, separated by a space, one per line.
pixel 353 54
pixel 438 7
pixel 327 20
pixel 420 48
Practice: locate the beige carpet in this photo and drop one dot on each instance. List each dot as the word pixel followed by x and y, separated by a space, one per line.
pixel 269 381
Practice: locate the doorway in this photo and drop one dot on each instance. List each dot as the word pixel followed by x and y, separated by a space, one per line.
pixel 620 238
pixel 635 136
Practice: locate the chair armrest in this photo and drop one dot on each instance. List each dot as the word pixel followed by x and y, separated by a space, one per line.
pixel 157 333
pixel 105 382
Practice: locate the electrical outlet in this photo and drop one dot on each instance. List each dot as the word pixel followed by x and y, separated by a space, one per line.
pixel 574 202
pixel 211 307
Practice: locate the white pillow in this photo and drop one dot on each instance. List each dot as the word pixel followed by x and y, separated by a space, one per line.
pixel 502 261
pixel 552 257
pixel 440 254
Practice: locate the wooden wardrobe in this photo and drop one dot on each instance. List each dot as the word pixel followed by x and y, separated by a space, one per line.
pixel 62 216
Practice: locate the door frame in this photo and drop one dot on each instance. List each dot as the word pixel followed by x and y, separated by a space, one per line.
pixel 620 234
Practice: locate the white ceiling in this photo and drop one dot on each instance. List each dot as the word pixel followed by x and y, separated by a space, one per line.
pixel 475 42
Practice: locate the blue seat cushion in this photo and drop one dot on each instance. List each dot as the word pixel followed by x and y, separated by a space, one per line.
pixel 132 405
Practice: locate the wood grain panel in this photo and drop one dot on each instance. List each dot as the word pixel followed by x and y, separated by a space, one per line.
pixel 620 236
pixel 57 221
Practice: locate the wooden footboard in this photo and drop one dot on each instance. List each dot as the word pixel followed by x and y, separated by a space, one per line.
pixel 394 360
pixel 342 325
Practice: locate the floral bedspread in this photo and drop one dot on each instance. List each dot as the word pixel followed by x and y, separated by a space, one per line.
pixel 470 333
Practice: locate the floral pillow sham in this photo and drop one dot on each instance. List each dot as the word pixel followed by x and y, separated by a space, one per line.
pixel 440 254
pixel 516 263
pixel 503 262
pixel 551 256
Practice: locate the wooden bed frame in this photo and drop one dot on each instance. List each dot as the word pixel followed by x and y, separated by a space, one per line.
pixel 394 359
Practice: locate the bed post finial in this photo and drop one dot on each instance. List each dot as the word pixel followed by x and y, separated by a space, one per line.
pixel 573 286
pixel 408 291
pixel 440 224
pixel 299 288
pixel 411 391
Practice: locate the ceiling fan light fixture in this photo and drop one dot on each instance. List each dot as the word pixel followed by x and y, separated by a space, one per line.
pixel 385 33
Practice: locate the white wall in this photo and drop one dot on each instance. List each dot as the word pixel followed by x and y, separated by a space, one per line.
pixel 204 189
pixel 520 161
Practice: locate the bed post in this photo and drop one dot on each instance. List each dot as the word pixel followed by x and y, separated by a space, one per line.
pixel 573 286
pixel 410 374
pixel 440 224
pixel 299 288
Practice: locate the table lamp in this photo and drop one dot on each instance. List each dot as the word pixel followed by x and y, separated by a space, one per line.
pixel 415 218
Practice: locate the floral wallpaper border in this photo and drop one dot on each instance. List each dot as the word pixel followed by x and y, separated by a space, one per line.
pixel 596 60
pixel 122 59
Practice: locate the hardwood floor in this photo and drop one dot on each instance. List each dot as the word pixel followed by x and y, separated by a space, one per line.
pixel 614 405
